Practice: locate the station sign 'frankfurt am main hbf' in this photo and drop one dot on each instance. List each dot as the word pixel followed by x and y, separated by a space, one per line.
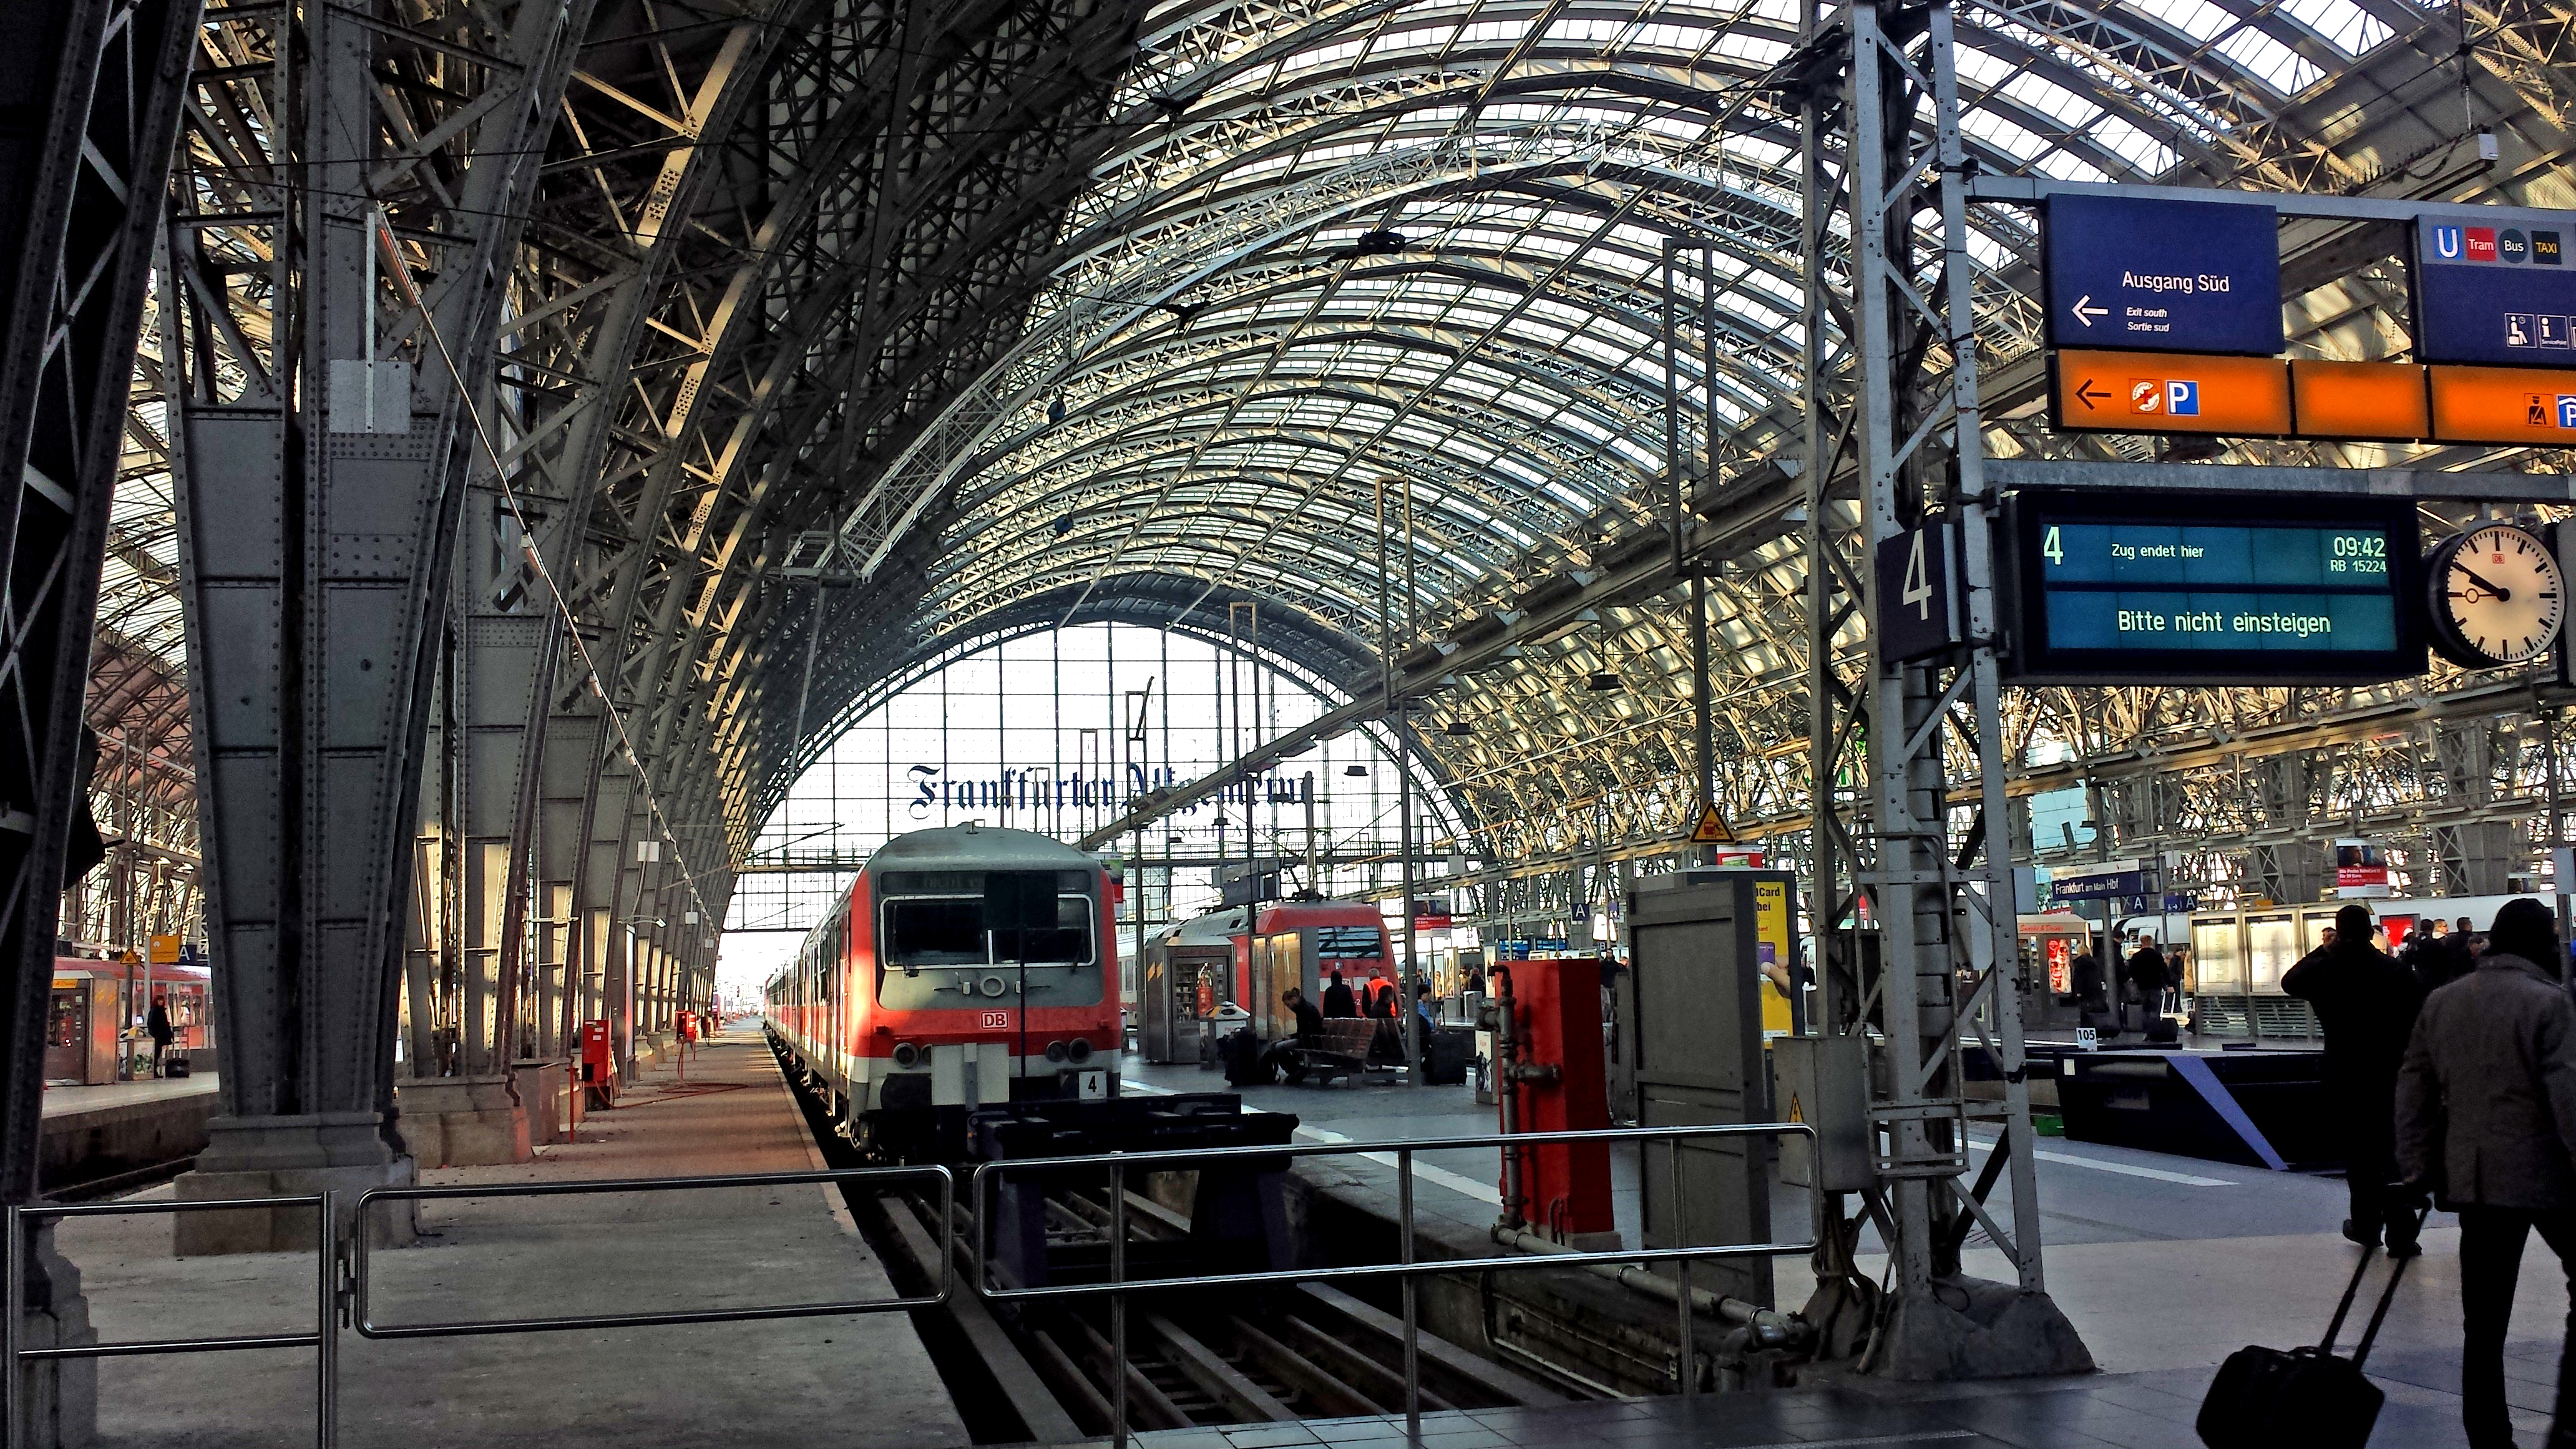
pixel 2162 276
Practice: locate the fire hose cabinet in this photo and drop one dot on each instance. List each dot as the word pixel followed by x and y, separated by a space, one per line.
pixel 598 1059
pixel 1699 941
pixel 1548 1077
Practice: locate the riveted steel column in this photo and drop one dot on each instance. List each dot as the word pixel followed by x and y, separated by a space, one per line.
pixel 318 504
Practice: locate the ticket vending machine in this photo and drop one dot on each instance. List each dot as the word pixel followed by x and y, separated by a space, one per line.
pixel 1699 941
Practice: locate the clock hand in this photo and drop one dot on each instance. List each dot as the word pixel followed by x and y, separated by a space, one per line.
pixel 2502 594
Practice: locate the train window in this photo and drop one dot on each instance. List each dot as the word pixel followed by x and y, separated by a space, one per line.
pixel 934 931
pixel 1349 943
pixel 1070 941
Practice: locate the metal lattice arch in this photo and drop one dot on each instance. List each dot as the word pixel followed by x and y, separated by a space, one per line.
pixel 1187 283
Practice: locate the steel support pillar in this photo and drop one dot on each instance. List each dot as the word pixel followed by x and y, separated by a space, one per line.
pixel 321 462
pixel 1879 94
pixel 94 89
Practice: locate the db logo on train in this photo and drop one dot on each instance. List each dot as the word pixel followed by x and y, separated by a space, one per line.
pixel 995 1021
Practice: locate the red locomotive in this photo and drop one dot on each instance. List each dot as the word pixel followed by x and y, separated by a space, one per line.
pixel 942 983
pixel 1301 944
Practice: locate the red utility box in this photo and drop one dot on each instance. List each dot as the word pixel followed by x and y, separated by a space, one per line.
pixel 598 1058
pixel 1551 1080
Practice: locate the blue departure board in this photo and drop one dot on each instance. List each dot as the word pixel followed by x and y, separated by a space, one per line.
pixel 2213 588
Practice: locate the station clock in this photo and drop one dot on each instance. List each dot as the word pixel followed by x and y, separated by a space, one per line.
pixel 2496 596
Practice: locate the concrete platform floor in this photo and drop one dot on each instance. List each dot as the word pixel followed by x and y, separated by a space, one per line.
pixel 2165 1264
pixel 803 1382
pixel 63 1101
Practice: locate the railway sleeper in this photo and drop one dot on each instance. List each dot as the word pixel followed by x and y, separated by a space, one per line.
pixel 1210 1370
pixel 1383 1387
pixel 1315 1384
pixel 1142 1392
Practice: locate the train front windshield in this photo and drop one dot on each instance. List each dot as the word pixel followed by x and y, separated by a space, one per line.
pixel 949 931
pixel 1350 943
pixel 934 950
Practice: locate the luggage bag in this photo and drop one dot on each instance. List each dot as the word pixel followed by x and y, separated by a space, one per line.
pixel 2264 1397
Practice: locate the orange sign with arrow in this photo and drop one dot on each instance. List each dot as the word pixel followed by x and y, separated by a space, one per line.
pixel 2169 392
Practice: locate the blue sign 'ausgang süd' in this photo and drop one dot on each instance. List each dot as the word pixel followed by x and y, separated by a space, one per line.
pixel 2162 276
pixel 2494 290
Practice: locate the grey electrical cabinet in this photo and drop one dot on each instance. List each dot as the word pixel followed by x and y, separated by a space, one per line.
pixel 1699 939
pixel 1823 1081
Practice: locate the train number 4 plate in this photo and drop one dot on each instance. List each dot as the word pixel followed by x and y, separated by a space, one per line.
pixel 995 1021
pixel 1092 1086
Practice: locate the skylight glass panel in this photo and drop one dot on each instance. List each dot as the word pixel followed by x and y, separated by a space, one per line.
pixel 1991 128
pixel 2066 166
pixel 2199 19
pixel 2258 52
pixel 2350 27
pixel 1981 70
pixel 2051 100
pixel 1752 49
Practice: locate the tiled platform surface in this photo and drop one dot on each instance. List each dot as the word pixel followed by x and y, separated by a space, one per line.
pixel 2103 1411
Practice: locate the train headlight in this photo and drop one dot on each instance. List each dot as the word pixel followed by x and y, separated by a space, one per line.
pixel 1055 1051
pixel 1080 1051
pixel 906 1054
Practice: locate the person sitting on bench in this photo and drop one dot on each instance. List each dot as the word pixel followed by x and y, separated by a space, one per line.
pixel 1288 1054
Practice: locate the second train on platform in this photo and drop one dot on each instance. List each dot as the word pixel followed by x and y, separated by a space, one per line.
pixel 943 982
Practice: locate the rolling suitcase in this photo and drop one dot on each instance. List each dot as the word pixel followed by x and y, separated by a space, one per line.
pixel 2264 1397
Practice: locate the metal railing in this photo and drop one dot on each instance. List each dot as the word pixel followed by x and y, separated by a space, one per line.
pixel 360 1305
pixel 342 1271
pixel 1407 1269
pixel 322 1340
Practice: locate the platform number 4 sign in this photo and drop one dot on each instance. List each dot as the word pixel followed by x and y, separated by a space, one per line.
pixel 1918 591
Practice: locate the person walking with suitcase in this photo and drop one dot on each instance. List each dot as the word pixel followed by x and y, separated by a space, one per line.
pixel 2486 1120
pixel 2366 1005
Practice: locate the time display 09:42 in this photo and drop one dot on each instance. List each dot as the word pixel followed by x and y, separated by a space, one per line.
pixel 2154 585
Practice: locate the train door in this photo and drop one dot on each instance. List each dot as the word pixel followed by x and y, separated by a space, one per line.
pixel 1296 950
pixel 836 992
pixel 1154 989
pixel 1263 1006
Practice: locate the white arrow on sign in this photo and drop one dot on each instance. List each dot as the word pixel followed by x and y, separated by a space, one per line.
pixel 2085 311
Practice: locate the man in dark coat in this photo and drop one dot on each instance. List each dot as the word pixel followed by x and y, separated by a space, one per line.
pixel 2366 1005
pixel 157 1026
pixel 1310 1022
pixel 2464 951
pixel 2084 974
pixel 2486 1119
pixel 1337 998
pixel 2148 976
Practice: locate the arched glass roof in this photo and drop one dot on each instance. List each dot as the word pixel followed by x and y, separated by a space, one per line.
pixel 1390 275
pixel 1326 281
pixel 1423 240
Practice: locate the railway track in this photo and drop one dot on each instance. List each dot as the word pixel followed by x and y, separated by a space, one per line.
pixel 1042 1370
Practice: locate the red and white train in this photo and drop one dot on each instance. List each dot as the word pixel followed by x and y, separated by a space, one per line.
pixel 907 1009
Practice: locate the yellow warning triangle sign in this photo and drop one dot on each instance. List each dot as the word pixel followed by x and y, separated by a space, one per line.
pixel 1796 1113
pixel 1711 829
